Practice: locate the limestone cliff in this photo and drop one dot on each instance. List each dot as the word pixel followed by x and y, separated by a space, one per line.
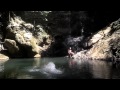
pixel 105 44
pixel 23 40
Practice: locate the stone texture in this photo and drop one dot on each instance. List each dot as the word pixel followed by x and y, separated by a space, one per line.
pixel 103 42
pixel 3 57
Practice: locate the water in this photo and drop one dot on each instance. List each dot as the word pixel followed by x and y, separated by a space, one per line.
pixel 58 68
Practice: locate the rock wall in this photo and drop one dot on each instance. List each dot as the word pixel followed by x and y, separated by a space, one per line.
pixel 20 39
pixel 105 44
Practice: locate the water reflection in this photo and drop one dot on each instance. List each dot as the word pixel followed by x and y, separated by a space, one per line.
pixel 15 69
pixel 97 69
pixel 101 69
pixel 58 68
pixel 36 63
pixel 72 64
pixel 2 66
pixel 116 71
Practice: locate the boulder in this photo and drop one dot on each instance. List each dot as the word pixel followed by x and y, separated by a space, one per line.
pixel 11 46
pixel 3 57
pixel 37 56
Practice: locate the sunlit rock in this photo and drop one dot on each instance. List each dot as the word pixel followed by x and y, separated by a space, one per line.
pixel 11 46
pixel 101 34
pixel 37 56
pixel 20 35
pixel 102 44
pixel 82 55
pixel 3 58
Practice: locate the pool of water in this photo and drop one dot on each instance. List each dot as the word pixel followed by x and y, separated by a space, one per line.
pixel 58 68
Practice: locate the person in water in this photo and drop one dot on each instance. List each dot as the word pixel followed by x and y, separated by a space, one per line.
pixel 70 52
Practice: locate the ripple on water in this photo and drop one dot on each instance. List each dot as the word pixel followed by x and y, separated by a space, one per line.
pixel 49 68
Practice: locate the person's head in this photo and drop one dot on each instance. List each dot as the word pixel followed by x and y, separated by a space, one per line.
pixel 69 47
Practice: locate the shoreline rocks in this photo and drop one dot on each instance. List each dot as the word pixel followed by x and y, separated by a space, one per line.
pixel 3 57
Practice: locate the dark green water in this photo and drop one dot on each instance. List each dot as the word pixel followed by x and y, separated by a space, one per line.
pixel 57 68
